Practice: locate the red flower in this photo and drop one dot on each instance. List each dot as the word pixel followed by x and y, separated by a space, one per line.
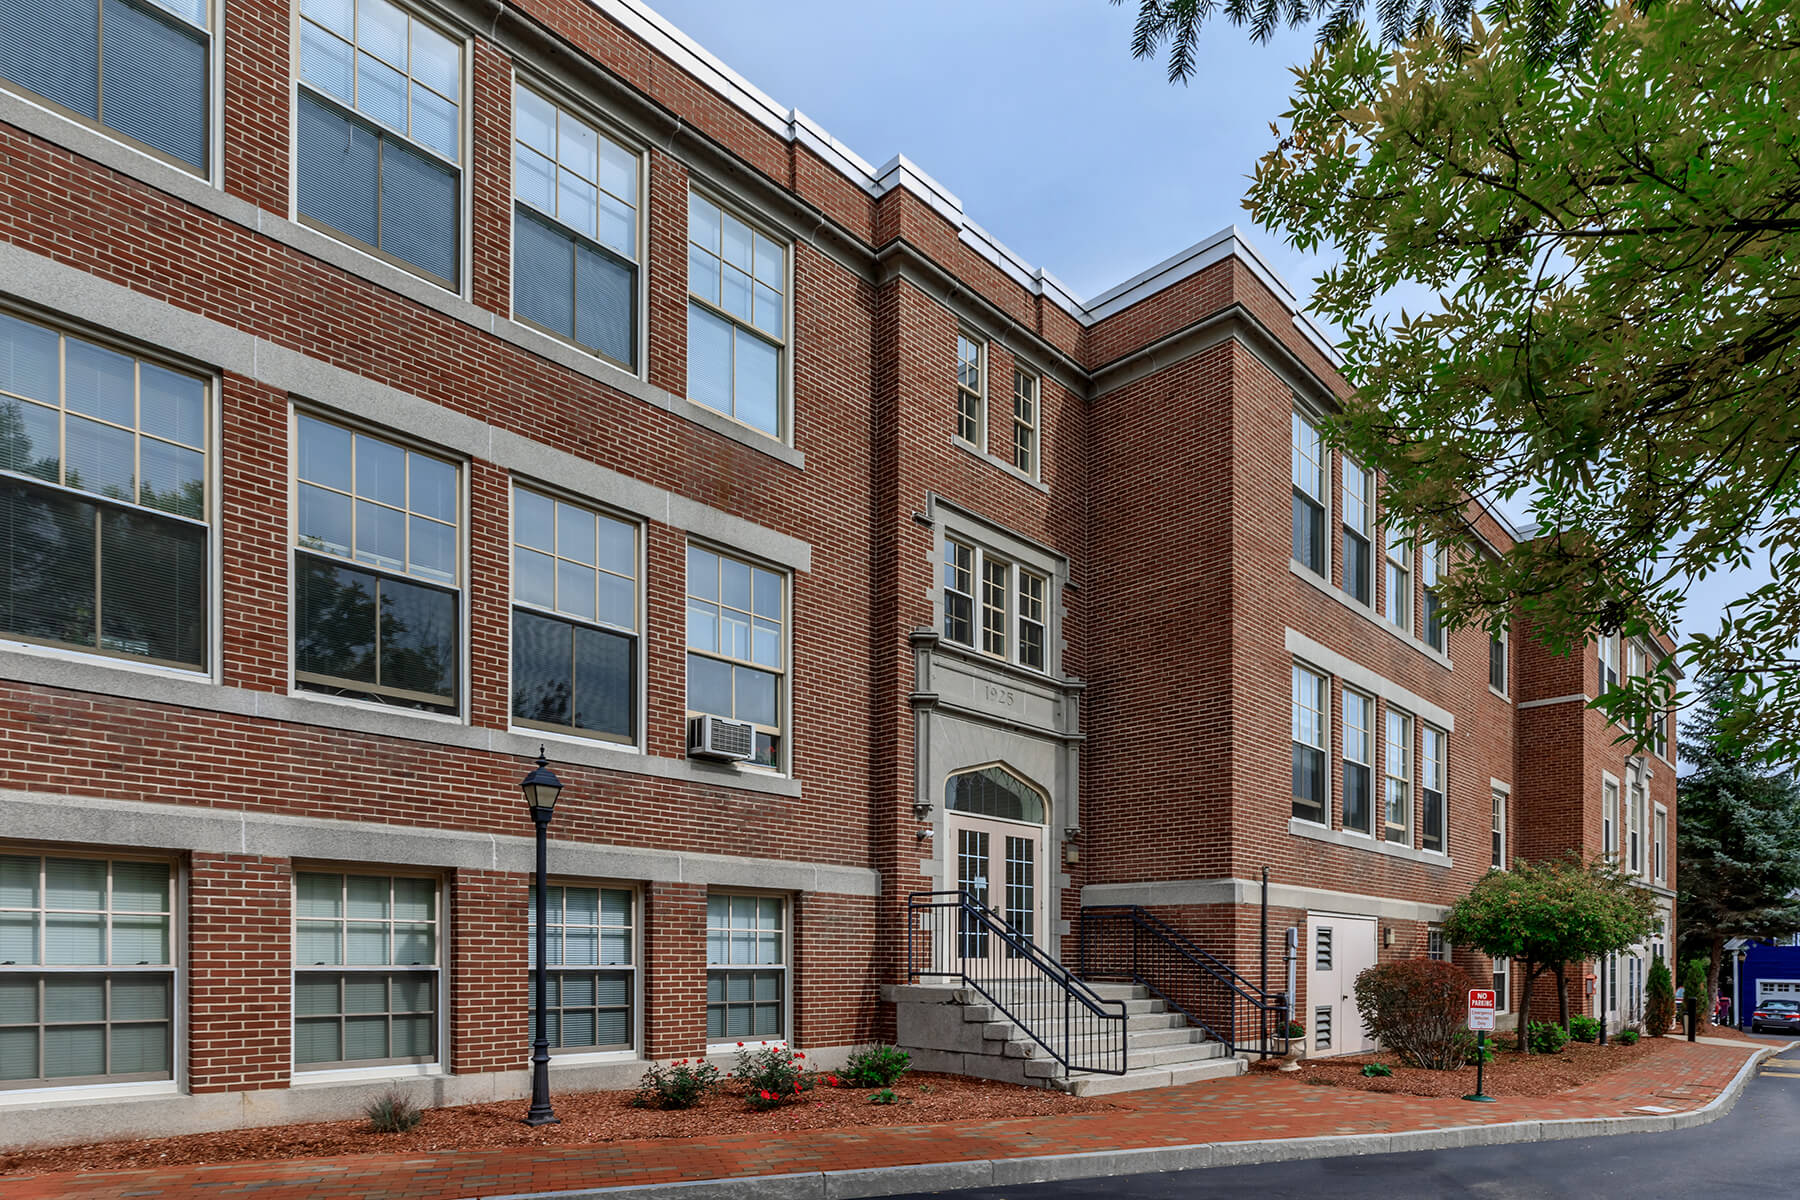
pixel 796 1087
pixel 799 1056
pixel 768 1095
pixel 740 1043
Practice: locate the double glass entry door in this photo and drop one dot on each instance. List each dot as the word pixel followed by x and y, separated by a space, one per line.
pixel 999 863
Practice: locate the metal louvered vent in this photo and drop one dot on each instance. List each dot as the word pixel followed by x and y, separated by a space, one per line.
pixel 1322 1027
pixel 1322 958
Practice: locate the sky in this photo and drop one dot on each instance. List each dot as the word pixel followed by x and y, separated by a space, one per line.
pixel 1081 159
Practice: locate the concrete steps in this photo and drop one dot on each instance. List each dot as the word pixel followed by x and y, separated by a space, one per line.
pixel 957 1030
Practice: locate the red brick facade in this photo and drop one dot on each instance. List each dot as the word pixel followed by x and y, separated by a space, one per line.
pixel 1155 508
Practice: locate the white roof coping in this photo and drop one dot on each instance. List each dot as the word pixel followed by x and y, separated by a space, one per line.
pixel 899 171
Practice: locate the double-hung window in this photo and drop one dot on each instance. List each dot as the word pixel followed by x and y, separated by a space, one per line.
pixel 575 229
pixel 1312 801
pixel 1433 773
pixel 1025 422
pixel 575 618
pixel 737 316
pixel 1013 609
pixel 1499 831
pixel 1398 603
pixel 1031 620
pixel 1635 828
pixel 971 387
pixel 385 628
pixel 87 970
pixel 1435 945
pixel 746 968
pixel 959 593
pixel 141 68
pixel 1397 757
pixel 1659 842
pixel 736 614
pixel 1309 495
pixel 379 122
pixel 1497 661
pixel 996 605
pixel 1359 761
pixel 1431 576
pixel 1609 815
pixel 103 499
pixel 1609 662
pixel 365 970
pixel 1502 984
pixel 1358 521
pixel 591 981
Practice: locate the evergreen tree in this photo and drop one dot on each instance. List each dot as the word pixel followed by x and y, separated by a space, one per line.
pixel 1737 842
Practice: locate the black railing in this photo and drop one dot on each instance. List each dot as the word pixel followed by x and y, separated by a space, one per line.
pixel 952 935
pixel 1127 942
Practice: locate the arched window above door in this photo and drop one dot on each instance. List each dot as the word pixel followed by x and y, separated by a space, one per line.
pixel 994 792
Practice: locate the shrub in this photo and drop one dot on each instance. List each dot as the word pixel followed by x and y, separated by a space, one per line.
pixel 1377 1070
pixel 884 1096
pixel 1696 988
pixel 1627 1037
pixel 1295 1030
pixel 1584 1029
pixel 1475 1053
pixel 1659 999
pixel 772 1076
pixel 1417 1009
pixel 1547 1037
pixel 392 1112
pixel 681 1084
pixel 877 1067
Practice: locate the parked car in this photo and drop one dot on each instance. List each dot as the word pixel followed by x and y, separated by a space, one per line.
pixel 1776 1016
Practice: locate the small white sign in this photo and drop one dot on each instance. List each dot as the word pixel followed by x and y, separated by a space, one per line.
pixel 1481 1008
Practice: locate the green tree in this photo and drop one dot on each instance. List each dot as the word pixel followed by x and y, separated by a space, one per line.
pixel 1659 999
pixel 1546 915
pixel 1605 252
pixel 1737 845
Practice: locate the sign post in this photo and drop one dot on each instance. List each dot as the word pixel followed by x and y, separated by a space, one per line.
pixel 1481 1020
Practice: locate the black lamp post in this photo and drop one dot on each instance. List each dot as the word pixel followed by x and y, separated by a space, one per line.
pixel 541 788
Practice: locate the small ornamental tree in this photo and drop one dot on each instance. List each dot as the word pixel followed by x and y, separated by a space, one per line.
pixel 1417 1008
pixel 1546 915
pixel 1659 999
pixel 1695 993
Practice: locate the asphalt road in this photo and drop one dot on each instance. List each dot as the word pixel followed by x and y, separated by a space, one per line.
pixel 1753 1152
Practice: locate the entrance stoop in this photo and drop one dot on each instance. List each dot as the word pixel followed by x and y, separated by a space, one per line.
pixel 955 1030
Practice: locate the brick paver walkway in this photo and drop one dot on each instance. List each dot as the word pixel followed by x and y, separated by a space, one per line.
pixel 1249 1108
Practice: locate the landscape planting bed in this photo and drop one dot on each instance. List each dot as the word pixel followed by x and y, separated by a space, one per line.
pixel 1510 1074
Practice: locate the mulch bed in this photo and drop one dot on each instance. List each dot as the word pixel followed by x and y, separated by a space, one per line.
pixel 1510 1074
pixel 587 1117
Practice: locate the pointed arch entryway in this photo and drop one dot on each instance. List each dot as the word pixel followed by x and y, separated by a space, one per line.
pixel 996 821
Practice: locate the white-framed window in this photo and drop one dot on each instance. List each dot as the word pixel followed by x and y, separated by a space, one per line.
pixel 377 568
pixel 1497 651
pixel 1433 788
pixel 140 68
pixel 1609 816
pixel 1312 792
pixel 746 968
pixel 1309 495
pixel 1435 945
pixel 1499 830
pixel 1359 762
pixel 1609 662
pixel 591 955
pixel 1013 605
pixel 1025 422
pixel 575 229
pixel 971 387
pixel 1432 564
pixel 736 646
pixel 378 153
pixel 1502 985
pixel 575 618
pixel 88 978
pixel 1359 523
pixel 1659 845
pixel 1397 768
pixel 1397 604
pixel 737 316
pixel 104 500
pixel 366 973
pixel 1635 828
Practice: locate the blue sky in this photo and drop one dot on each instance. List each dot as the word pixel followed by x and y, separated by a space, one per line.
pixel 1083 160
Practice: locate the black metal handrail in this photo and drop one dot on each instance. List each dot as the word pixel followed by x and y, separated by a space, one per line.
pixel 953 935
pixel 1128 942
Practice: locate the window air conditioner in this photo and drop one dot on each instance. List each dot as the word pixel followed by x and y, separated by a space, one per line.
pixel 715 737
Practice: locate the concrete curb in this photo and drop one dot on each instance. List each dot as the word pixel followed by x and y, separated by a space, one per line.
pixel 1098 1164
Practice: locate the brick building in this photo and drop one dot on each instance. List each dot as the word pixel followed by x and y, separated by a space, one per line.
pixel 389 389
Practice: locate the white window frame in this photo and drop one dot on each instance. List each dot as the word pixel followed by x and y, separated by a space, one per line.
pixel 1352 498
pixel 1438 765
pixel 784 674
pixel 1311 480
pixel 977 395
pixel 1404 777
pixel 1434 561
pixel 175 970
pixel 1397 579
pixel 1436 948
pixel 1611 818
pixel 1497 847
pixel 440 988
pixel 1317 707
pixel 1635 794
pixel 785 967
pixel 1033 395
pixel 784 345
pixel 1609 663
pixel 1366 761
pixel 1013 572
pixel 1502 985
pixel 1659 844
pixel 1501 641
pixel 564 1057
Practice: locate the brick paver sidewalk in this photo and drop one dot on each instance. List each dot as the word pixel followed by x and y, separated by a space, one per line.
pixel 1253 1107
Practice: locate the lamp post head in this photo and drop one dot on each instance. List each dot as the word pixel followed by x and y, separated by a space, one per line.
pixel 541 787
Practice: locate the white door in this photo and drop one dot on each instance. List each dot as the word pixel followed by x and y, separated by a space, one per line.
pixel 1338 950
pixel 1777 989
pixel 1000 863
